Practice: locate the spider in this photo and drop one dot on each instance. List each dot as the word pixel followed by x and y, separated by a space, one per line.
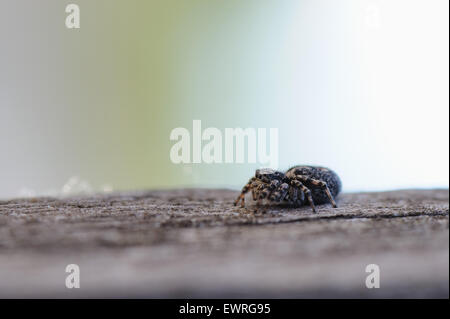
pixel 300 184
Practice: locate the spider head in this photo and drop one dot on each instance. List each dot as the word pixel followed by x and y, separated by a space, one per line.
pixel 267 175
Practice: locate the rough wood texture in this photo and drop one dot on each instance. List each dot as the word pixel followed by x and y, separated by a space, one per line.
pixel 194 243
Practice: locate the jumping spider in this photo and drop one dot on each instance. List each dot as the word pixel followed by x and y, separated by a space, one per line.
pixel 300 184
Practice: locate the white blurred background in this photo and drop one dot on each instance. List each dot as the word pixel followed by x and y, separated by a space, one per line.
pixel 359 86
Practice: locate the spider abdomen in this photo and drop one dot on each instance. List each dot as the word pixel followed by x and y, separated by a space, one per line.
pixel 318 173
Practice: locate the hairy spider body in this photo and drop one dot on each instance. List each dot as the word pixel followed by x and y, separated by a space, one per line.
pixel 298 186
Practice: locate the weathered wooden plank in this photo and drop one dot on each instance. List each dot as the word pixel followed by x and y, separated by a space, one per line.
pixel 194 243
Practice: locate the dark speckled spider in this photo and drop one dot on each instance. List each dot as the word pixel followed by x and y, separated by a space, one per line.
pixel 298 185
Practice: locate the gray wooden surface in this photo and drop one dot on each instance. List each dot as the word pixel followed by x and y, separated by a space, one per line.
pixel 194 243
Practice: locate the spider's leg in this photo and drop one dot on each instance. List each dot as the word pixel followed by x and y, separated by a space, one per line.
pixel 293 194
pixel 319 184
pixel 306 191
pixel 301 196
pixel 245 189
pixel 279 194
pixel 262 191
pixel 259 187
pixel 298 196
pixel 267 191
pixel 284 191
pixel 255 189
pixel 254 194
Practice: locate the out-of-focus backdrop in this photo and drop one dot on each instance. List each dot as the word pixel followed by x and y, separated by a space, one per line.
pixel 360 86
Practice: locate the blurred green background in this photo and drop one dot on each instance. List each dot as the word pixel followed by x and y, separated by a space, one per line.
pixel 359 86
